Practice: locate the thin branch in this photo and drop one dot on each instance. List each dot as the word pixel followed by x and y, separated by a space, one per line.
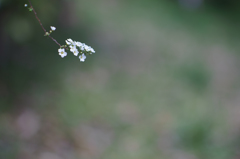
pixel 35 13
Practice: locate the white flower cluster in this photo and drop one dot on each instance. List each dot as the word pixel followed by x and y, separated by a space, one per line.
pixel 76 48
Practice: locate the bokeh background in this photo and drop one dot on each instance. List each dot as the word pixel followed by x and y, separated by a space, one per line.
pixel 163 84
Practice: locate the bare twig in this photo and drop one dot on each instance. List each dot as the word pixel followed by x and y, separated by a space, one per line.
pixel 42 25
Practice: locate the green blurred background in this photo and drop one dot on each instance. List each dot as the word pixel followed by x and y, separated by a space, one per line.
pixel 163 84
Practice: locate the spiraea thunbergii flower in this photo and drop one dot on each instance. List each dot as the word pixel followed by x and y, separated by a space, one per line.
pixel 62 52
pixel 53 28
pixel 76 48
pixel 82 58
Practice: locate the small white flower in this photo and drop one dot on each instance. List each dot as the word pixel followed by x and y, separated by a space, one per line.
pixel 62 52
pixel 82 58
pixel 81 47
pixel 74 51
pixel 79 44
pixel 84 47
pixel 53 28
pixel 87 48
pixel 92 50
pixel 72 46
pixel 69 42
pixel 25 5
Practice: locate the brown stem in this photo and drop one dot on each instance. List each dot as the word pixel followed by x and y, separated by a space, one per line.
pixel 41 24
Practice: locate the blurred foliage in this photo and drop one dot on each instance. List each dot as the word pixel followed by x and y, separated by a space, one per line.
pixel 164 82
